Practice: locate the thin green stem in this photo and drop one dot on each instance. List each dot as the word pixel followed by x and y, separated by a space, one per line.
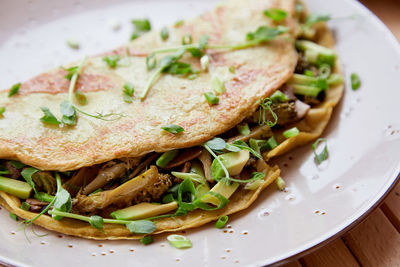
pixel 74 78
pixel 150 82
pixel 219 161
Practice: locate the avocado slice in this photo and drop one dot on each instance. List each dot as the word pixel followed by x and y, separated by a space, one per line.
pixel 223 188
pixel 15 187
pixel 233 161
pixel 143 210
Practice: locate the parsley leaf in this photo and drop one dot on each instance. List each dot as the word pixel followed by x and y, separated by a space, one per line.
pixel 48 117
pixel 141 26
pixel 141 227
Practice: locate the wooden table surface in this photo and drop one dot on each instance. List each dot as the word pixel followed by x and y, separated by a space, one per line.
pixel 375 241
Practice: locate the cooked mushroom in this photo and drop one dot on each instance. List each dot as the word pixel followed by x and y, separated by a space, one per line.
pixel 44 181
pixel 80 179
pixel 146 187
pixel 205 159
pixel 14 172
pixel 142 165
pixel 105 176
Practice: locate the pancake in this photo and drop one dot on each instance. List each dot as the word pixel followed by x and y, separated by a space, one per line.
pixel 133 139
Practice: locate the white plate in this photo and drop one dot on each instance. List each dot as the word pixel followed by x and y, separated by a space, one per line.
pixel 363 136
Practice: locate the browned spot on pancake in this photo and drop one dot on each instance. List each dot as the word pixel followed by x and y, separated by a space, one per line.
pixel 55 83
pixel 124 51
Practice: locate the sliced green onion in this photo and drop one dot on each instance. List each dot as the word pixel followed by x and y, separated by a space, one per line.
pixel 166 158
pixel 146 240
pixel 112 60
pixel 187 39
pixel 179 241
pixel 14 89
pixel 186 188
pixel 324 71
pixel 232 69
pixel 309 73
pixel 221 222
pixel 179 23
pixel 306 90
pixel 2 110
pixel 243 129
pixel 218 86
pixel 291 132
pixel 355 81
pixel 280 183
pixel 128 92
pixel 25 206
pixel 192 176
pixel 72 43
pixel 204 206
pixel 164 33
pixel 254 185
pixel 320 157
pixel 335 79
pixel 211 98
pixel 205 62
pixel 173 128
pixel 276 14
pixel 272 143
pixel 278 97
pixel 13 216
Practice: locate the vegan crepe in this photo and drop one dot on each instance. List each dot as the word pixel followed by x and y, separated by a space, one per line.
pixel 259 72
pixel 172 100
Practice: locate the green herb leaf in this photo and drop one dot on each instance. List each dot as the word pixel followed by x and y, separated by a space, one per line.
pixel 63 201
pixel 69 113
pixel 211 98
pixel 71 71
pixel 232 148
pixel 27 174
pixel 355 81
pixel 97 222
pixel 216 144
pixel 265 105
pixel 221 222
pixel 44 197
pixel 80 97
pixel 164 33
pixel 112 60
pixel 179 68
pixel 128 92
pixel 315 18
pixel 264 33
pixel 2 110
pixel 14 89
pixel 146 240
pixel 142 25
pixel 14 216
pixel 17 164
pixel 276 14
pixel 179 241
pixel 243 129
pixel 173 128
pixel 141 227
pixel 218 86
pixel 320 157
pixel 278 97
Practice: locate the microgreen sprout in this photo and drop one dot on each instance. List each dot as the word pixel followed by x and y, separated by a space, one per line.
pixel 355 81
pixel 173 128
pixel 276 14
pixel 265 105
pixel 221 222
pixel 14 89
pixel 141 26
pixel 2 110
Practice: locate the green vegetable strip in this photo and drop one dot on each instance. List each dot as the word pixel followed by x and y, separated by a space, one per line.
pixel 319 158
pixel 291 132
pixel 221 222
pixel 219 161
pixel 146 240
pixel 355 81
pixel 280 183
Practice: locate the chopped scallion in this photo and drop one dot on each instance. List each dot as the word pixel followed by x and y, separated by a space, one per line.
pixel 13 216
pixel 25 206
pixel 112 60
pixel 278 97
pixel 280 183
pixel 221 222
pixel 179 241
pixel 320 157
pixel 272 143
pixel 179 23
pixel 218 86
pixel 164 33
pixel 205 62
pixel 232 69
pixel 72 43
pixel 187 39
pixel 355 81
pixel 173 128
pixel 211 98
pixel 291 132
pixel 243 129
pixel 128 92
pixel 2 110
pixel 14 89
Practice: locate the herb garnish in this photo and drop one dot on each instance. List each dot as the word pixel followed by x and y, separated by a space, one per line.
pixel 179 23
pixel 146 240
pixel 27 175
pixel 355 81
pixel 179 241
pixel 221 222
pixel 218 86
pixel 211 98
pixel 264 106
pixel 2 110
pixel 315 18
pixel 164 33
pixel 280 183
pixel 187 39
pixel 128 92
pixel 276 14
pixel 141 26
pixel 112 60
pixel 14 89
pixel 68 109
pixel 173 128
pixel 292 132
pixel 320 157
pixel 72 43
pixel 80 97
pixel 13 216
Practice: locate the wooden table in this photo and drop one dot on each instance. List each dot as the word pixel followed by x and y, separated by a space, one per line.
pixel 376 240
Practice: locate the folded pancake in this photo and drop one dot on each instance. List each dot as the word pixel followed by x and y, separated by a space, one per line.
pixel 112 168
